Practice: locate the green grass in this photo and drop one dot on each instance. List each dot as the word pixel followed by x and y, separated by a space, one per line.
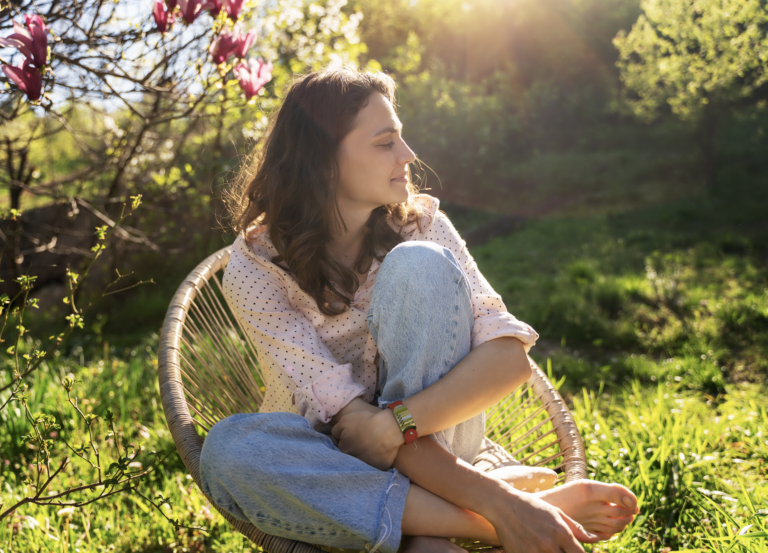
pixel 698 466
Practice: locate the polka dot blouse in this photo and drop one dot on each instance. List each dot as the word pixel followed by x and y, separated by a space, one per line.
pixel 315 364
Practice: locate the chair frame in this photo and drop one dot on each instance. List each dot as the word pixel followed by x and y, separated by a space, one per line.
pixel 181 423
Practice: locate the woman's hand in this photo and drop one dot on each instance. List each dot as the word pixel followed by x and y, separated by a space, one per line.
pixel 523 522
pixel 370 434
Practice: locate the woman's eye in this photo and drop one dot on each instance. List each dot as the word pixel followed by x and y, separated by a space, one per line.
pixel 389 146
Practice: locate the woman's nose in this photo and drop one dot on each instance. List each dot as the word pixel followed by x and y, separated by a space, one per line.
pixel 406 155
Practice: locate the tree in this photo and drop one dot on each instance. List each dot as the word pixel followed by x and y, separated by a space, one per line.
pixel 105 104
pixel 698 58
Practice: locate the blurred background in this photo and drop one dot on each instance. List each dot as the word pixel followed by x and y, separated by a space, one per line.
pixel 606 161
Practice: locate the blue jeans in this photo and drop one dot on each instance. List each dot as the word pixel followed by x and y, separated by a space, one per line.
pixel 287 479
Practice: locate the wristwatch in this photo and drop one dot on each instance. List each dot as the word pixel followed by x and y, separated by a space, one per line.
pixel 404 421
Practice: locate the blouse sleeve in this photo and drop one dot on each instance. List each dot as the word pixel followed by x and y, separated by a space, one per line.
pixel 287 342
pixel 492 320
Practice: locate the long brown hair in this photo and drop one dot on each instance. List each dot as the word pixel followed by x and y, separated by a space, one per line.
pixel 289 184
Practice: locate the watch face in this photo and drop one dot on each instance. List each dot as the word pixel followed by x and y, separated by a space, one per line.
pixel 403 417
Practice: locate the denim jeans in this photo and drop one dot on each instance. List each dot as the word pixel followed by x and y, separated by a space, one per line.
pixel 276 471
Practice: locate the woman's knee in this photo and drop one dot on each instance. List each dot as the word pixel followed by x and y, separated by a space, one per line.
pixel 421 256
pixel 427 271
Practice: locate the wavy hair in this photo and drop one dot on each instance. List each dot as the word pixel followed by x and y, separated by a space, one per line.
pixel 289 184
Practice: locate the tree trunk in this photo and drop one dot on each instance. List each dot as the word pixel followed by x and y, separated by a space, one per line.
pixel 708 129
pixel 12 250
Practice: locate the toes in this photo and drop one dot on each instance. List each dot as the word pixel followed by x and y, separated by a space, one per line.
pixel 609 510
pixel 619 523
pixel 602 529
pixel 609 525
pixel 613 493
pixel 621 495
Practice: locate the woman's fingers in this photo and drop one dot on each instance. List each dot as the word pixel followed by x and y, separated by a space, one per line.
pixel 558 540
pixel 534 525
pixel 359 435
pixel 337 428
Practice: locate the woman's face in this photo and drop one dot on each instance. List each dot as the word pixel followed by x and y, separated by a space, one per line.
pixel 373 159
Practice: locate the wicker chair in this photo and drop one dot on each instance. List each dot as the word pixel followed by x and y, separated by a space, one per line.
pixel 208 371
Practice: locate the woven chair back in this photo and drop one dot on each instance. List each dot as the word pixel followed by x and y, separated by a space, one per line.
pixel 208 371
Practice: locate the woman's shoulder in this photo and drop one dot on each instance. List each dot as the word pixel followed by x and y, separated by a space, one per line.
pixel 423 211
pixel 251 256
pixel 428 204
pixel 255 244
pixel 427 219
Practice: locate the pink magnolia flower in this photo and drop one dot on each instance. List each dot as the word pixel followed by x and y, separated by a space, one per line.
pixel 190 9
pixel 244 43
pixel 253 75
pixel 163 19
pixel 36 20
pixel 171 5
pixel 222 47
pixel 233 8
pixel 228 43
pixel 32 42
pixel 213 6
pixel 27 78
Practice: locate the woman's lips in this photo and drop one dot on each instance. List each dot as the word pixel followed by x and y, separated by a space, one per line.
pixel 400 179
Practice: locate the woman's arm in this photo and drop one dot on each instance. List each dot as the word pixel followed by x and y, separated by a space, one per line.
pixel 486 375
pixel 522 521
pixel 495 366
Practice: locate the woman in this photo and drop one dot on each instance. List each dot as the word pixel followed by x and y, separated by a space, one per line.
pixel 359 294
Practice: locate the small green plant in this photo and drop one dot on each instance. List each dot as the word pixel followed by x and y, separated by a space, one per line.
pixel 107 465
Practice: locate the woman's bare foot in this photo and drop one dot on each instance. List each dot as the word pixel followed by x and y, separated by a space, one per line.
pixel 603 509
pixel 427 544
pixel 525 478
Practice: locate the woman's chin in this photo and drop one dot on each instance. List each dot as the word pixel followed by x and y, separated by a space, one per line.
pixel 399 191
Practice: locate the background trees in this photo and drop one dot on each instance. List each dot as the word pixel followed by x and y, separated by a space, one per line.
pixel 698 60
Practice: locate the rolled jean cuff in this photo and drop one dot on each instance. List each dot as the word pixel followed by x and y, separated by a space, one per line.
pixel 389 525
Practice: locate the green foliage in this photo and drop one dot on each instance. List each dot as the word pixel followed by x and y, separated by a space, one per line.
pixel 302 35
pixel 692 54
pixel 510 103
pixel 564 40
pixel 679 291
pixel 516 105
pixel 464 132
